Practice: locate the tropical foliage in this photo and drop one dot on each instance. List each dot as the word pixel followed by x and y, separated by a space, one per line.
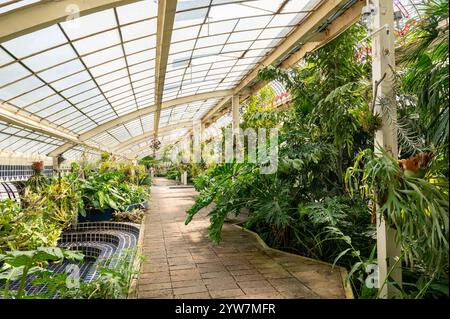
pixel 322 201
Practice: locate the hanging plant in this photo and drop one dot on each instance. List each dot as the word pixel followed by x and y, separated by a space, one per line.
pixel 37 181
pixel 413 199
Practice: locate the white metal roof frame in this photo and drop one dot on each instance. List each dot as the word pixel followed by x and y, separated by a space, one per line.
pixel 124 70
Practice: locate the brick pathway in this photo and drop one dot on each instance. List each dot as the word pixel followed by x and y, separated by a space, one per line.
pixel 181 262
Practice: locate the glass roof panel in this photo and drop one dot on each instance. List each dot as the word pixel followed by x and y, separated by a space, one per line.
pixel 97 42
pixel 214 44
pixel 137 11
pixel 37 106
pixel 33 96
pixel 103 56
pixel 62 70
pixel 4 57
pixel 12 139
pixel 19 87
pixel 138 30
pixel 11 73
pixel 35 42
pixel 92 23
pixel 50 58
pixel 12 5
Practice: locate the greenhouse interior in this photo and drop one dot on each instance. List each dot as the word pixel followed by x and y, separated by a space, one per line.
pixel 224 149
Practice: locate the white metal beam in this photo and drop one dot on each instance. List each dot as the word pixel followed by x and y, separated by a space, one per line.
pixel 303 34
pixel 383 64
pixel 46 13
pixel 166 17
pixel 140 138
pixel 141 112
pixel 14 116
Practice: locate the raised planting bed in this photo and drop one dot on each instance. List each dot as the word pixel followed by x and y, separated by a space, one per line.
pixel 104 244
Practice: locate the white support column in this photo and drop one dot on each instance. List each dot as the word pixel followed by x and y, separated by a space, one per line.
pixel 184 178
pixel 236 121
pixel 235 113
pixel 383 63
pixel 197 131
pixel 55 164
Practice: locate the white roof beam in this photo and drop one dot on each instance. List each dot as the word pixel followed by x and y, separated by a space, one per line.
pixel 302 35
pixel 141 112
pixel 166 18
pixel 46 13
pixel 13 116
pixel 140 138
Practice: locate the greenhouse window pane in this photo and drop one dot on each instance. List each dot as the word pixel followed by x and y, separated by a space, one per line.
pixel 199 53
pixel 84 96
pixel 38 106
pixel 20 87
pixel 271 33
pixel 143 74
pixel 140 45
pixel 137 11
pixel 268 5
pixel 262 44
pixel 71 81
pixel 11 73
pixel 53 109
pixel 299 5
pixel 33 96
pixel 212 40
pixel 175 73
pixel 189 18
pixel 106 118
pixel 234 47
pixel 80 88
pixel 256 53
pixel 115 84
pixel 73 115
pixel 50 58
pixel 144 81
pixel 138 30
pixel 185 34
pixel 5 57
pixel 15 4
pixel 244 36
pixel 142 67
pixel 112 76
pixel 61 71
pixel 182 46
pixel 35 42
pixel 93 101
pixel 142 56
pixel 121 98
pixel 77 122
pixel 89 24
pixel 214 28
pixel 108 67
pixel 97 42
pixel 191 4
pixel 253 23
pixel 117 91
pixel 282 20
pixel 234 11
pixel 103 56
pixel 223 64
